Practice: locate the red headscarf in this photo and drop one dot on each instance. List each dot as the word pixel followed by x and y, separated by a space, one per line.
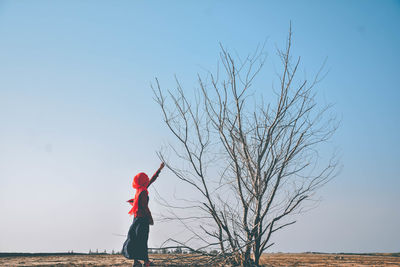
pixel 140 183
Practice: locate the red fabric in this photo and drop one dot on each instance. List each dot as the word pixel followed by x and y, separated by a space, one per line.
pixel 140 183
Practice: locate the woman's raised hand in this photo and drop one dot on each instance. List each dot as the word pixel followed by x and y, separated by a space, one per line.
pixel 162 166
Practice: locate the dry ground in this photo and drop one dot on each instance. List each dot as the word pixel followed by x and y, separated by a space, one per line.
pixel 282 259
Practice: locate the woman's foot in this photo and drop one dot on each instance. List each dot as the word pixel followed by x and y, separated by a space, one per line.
pixel 137 264
pixel 148 263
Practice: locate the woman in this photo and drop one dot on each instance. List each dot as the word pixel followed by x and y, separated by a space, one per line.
pixel 135 246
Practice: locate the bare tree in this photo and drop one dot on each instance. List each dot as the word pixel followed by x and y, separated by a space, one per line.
pixel 253 165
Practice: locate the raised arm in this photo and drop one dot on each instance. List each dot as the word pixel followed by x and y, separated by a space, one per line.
pixel 155 175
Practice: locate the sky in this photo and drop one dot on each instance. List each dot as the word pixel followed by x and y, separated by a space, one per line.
pixel 78 119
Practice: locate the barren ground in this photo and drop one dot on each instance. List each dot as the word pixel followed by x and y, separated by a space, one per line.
pixel 276 259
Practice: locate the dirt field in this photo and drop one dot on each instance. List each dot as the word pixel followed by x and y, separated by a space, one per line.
pixel 283 259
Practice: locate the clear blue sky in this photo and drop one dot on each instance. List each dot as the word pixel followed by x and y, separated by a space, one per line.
pixel 77 118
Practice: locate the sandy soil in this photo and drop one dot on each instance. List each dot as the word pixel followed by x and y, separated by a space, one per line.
pixel 315 260
pixel 282 259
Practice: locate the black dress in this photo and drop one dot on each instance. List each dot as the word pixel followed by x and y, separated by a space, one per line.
pixel 135 245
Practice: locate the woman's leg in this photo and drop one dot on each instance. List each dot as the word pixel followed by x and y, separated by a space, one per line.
pixel 137 263
pixel 148 263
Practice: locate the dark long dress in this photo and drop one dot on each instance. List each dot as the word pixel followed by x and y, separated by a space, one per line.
pixel 135 245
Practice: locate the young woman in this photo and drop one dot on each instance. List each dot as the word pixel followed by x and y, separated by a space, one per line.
pixel 135 246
